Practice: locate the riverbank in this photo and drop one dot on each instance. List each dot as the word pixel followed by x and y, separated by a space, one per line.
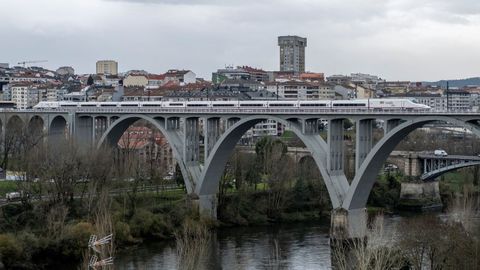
pixel 34 242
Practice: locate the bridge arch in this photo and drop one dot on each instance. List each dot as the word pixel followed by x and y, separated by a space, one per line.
pixel 36 128
pixel 216 161
pixel 112 135
pixel 365 178
pixel 57 127
pixel 14 124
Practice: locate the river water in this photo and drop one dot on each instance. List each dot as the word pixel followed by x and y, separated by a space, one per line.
pixel 290 246
pixel 303 245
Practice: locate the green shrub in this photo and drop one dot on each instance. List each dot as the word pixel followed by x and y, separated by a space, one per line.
pixel 145 223
pixel 30 242
pixel 76 239
pixel 141 222
pixel 10 249
pixel 122 233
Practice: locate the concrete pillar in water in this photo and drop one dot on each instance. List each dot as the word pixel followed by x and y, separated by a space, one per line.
pixel 348 224
pixel 348 230
pixel 207 205
pixel 420 196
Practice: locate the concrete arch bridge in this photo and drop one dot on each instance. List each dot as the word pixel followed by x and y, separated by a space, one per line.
pixel 222 128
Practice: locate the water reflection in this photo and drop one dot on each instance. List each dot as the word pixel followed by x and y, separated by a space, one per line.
pixel 296 246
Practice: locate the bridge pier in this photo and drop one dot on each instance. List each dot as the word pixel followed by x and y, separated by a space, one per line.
pixel 335 161
pixel 364 141
pixel 347 225
pixel 420 196
pixel 207 206
pixel 85 130
pixel 191 139
pixel 212 134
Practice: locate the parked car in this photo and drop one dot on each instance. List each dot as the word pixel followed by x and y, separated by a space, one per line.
pixel 440 152
pixel 13 196
pixel 16 196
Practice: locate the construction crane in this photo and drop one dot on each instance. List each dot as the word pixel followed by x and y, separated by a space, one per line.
pixel 31 62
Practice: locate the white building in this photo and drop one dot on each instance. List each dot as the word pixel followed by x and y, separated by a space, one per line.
pixel 297 90
pixel 458 100
pixel 262 129
pixel 135 80
pixel 24 95
pixel 181 77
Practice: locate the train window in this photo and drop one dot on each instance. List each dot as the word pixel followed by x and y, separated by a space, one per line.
pixel 108 105
pixel 280 105
pixel 251 105
pixel 175 104
pixel 349 105
pixel 223 105
pixel 88 105
pixel 129 105
pixel 68 105
pixel 197 105
pixel 151 105
pixel 313 105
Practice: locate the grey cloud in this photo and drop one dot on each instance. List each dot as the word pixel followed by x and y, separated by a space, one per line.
pixel 396 39
pixel 184 2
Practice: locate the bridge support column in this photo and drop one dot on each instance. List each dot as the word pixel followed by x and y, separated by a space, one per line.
pixel 348 225
pixel 207 206
pixel 84 130
pixel 212 134
pixel 231 122
pixel 100 125
pixel 71 126
pixel 364 141
pixel 310 126
pixel 94 129
pixel 335 161
pixel 192 145
pixel 420 196
pixel 173 123
pixel 391 124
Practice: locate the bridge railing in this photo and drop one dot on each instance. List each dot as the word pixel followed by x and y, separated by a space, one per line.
pixel 196 110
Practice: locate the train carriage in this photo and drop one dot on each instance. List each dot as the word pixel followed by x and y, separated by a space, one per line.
pixel 357 104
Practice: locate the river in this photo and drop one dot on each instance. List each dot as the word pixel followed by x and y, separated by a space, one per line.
pixel 288 246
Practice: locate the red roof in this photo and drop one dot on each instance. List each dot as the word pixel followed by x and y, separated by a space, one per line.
pixel 156 77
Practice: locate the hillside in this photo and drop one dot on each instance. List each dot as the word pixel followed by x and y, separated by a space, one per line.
pixel 456 83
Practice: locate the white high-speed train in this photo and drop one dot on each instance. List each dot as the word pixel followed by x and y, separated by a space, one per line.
pixel 375 104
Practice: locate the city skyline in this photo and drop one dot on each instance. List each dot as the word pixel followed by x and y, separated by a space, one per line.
pixel 397 40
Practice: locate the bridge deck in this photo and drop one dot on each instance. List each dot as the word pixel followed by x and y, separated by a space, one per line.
pixel 449 157
pixel 306 111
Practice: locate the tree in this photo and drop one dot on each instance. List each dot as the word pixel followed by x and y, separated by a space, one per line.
pixel 90 80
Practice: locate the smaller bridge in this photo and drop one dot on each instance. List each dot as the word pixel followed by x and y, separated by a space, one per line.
pixel 424 165
pixel 427 166
pixel 434 166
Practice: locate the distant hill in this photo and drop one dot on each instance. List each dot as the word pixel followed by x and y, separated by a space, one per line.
pixel 455 83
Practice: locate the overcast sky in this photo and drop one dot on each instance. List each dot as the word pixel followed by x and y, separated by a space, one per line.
pixel 395 39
